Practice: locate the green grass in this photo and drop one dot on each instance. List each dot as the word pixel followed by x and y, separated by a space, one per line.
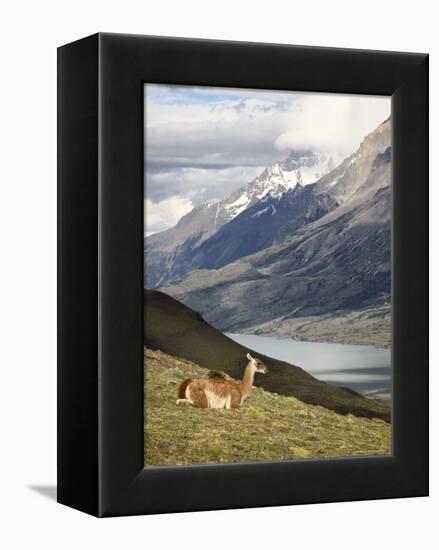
pixel 268 427
pixel 181 332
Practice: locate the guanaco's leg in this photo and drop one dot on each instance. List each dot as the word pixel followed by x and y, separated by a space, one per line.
pixel 195 396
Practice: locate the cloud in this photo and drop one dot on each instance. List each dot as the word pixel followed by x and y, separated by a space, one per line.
pixel 203 143
pixel 165 94
pixel 237 132
pixel 197 184
pixel 335 123
pixel 164 214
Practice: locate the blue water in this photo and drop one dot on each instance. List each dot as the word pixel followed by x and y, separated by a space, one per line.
pixel 365 369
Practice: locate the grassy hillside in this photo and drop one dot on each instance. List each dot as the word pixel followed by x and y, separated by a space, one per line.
pixel 268 427
pixel 179 331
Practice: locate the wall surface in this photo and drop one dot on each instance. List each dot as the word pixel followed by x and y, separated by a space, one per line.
pixel 30 33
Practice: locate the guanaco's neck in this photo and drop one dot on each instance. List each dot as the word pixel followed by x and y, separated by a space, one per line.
pixel 247 379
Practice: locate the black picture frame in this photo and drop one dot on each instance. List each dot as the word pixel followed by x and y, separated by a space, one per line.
pixel 100 274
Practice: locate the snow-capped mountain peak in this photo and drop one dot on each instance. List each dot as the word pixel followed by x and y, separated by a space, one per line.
pixel 276 182
pixel 299 168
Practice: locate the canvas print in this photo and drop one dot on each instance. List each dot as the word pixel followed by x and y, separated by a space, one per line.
pixel 267 275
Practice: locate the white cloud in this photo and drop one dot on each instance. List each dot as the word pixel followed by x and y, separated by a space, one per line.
pixel 165 214
pixel 198 184
pixel 335 123
pixel 235 132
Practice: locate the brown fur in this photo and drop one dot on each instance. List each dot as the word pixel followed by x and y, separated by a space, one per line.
pixel 219 393
pixel 182 388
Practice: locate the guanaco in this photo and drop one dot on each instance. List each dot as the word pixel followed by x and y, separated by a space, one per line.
pixel 217 392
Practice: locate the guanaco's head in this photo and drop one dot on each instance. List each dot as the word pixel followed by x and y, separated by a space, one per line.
pixel 257 364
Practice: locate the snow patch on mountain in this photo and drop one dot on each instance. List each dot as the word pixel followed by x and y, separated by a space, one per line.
pixel 238 206
pixel 265 211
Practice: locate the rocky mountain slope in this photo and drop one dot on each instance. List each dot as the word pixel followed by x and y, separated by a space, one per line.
pixel 267 427
pixel 331 255
pixel 262 225
pixel 171 254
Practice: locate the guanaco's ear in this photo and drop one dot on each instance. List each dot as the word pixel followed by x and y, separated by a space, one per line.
pixel 249 357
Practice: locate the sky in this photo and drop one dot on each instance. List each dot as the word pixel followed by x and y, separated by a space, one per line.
pixel 203 143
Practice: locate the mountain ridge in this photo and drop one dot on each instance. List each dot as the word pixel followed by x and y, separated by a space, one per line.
pixel 338 261
pixel 171 254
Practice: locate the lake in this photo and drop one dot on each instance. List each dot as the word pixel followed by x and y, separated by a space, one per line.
pixel 365 369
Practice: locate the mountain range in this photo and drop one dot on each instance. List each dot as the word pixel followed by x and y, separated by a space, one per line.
pixel 304 240
pixel 171 254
